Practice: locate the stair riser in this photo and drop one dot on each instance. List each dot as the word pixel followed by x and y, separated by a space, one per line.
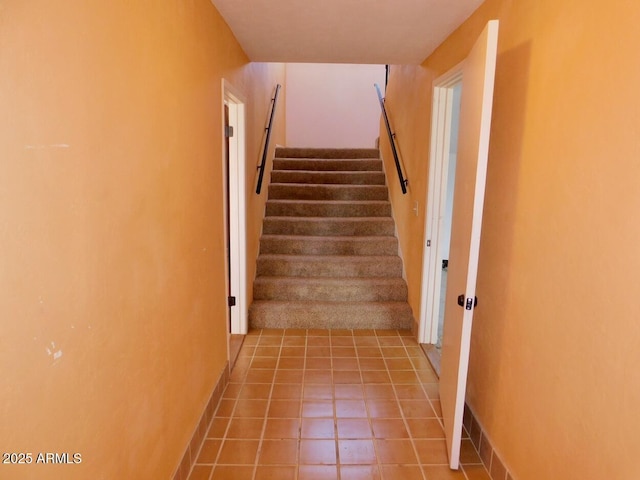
pixel 302 226
pixel 349 315
pixel 343 178
pixel 272 289
pixel 327 192
pixel 326 153
pixel 391 267
pixel 334 246
pixel 325 165
pixel 295 208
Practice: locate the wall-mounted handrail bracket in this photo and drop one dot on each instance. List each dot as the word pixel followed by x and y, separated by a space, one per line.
pixel 268 129
pixel 392 140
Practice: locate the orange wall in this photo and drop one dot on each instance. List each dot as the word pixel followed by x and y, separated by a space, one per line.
pixel 555 344
pixel 112 297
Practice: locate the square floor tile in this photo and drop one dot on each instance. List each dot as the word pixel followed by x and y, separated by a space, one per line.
pixel 209 451
pixel 291 363
pixel 404 472
pixel 425 428
pixel 350 409
pixel 379 392
pixel 218 427
pixel 416 409
pixel 390 342
pixel 318 377
pixel 317 472
pixel 264 362
pixel 317 409
pixel 394 352
pixel 432 452
pixel 346 376
pixel 349 391
pixel 250 408
pixel 317 452
pixel 255 391
pixel 200 472
pixel 372 364
pixel 404 377
pixel 342 341
pixel 410 392
pixel 343 352
pixel 267 472
pixel 443 473
pixel 284 409
pixel 236 472
pixel 318 428
pixel 319 363
pixel 383 408
pixel 351 428
pixel 375 376
pixel 288 376
pixel 278 452
pixel 319 351
pixel 318 392
pixel 356 452
pixel 396 452
pixel 389 428
pixel 279 428
pixel 345 363
pixel 238 452
pixel 369 352
pixel 288 351
pixel 260 375
pixel 359 472
pixel 248 428
pixel 284 391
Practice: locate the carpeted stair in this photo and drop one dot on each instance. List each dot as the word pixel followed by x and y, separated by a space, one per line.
pixel 328 252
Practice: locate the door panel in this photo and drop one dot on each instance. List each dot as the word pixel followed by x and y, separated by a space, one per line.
pixel 478 74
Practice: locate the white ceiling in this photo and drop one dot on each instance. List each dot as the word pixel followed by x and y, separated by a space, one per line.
pixel 343 31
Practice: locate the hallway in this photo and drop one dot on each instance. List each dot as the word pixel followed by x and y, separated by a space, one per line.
pixel 330 404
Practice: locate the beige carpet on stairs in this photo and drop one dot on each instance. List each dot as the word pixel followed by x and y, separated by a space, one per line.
pixel 328 252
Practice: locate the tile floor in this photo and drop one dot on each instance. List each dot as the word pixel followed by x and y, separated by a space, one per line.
pixel 330 404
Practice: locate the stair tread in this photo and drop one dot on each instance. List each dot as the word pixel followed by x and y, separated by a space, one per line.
pixel 328 238
pixel 297 218
pixel 333 202
pixel 350 304
pixel 340 280
pixel 329 172
pixel 329 258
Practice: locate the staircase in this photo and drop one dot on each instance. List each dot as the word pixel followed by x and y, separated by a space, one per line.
pixel 328 252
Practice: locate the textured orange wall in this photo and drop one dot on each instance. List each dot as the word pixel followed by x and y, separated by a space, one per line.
pixel 556 334
pixel 112 297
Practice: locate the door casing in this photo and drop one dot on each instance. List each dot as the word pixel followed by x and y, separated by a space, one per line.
pixel 442 113
pixel 235 101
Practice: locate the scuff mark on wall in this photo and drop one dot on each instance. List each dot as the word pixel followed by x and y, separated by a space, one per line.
pixel 54 352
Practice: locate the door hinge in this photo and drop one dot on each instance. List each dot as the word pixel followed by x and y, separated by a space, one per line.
pixel 428 243
pixel 469 304
pixel 231 301
pixel 228 131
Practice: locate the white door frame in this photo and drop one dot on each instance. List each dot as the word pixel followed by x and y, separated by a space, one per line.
pixel 237 205
pixel 442 112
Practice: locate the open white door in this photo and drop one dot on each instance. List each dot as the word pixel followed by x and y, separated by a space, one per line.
pixel 478 73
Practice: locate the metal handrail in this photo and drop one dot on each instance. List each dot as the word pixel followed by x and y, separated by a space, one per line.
pixel 392 141
pixel 265 152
